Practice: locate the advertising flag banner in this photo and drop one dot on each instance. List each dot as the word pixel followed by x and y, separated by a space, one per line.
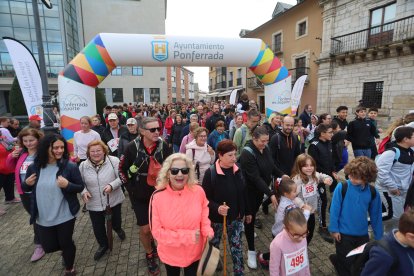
pixel 28 75
pixel 278 97
pixel 297 93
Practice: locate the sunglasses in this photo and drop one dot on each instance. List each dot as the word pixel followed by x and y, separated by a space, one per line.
pixel 154 129
pixel 175 171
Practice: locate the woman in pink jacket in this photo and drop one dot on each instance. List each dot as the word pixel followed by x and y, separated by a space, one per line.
pixel 179 216
pixel 18 161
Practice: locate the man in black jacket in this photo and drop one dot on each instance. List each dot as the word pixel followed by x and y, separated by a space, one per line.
pixel 133 171
pixel 211 122
pixel 285 146
pixel 321 150
pixel 306 115
pixel 340 118
pixel 128 136
pixel 110 136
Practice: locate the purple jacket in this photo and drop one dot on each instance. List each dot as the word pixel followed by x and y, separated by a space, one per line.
pixel 16 163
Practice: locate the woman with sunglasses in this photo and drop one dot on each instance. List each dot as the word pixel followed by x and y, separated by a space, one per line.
pixel 54 183
pixel 288 251
pixel 200 152
pixel 19 160
pixel 100 175
pixel 179 216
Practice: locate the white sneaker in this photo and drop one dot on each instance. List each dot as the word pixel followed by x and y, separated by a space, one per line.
pixel 251 259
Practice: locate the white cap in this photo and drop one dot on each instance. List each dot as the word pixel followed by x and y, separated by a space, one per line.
pixel 131 121
pixel 112 116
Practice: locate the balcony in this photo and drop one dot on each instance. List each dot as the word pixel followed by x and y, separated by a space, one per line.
pixel 390 35
pixel 254 83
pixel 298 72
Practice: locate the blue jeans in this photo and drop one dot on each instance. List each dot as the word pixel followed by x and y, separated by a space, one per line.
pixel 362 152
pixel 176 148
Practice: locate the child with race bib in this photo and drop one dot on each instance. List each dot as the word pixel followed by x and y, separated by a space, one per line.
pixel 307 179
pixel 288 251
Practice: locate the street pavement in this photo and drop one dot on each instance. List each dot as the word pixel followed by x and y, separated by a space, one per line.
pixel 127 257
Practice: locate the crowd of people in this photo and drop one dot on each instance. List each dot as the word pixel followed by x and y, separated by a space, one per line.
pixel 192 172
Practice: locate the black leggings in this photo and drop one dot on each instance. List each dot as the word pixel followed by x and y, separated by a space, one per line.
pixel 7 183
pixel 190 270
pixel 311 228
pixel 59 237
pixel 324 205
pixel 255 203
pixel 98 224
pixel 26 204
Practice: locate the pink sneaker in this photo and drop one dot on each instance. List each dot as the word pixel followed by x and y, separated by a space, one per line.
pixel 15 200
pixel 38 253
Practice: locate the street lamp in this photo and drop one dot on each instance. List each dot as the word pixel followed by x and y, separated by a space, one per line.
pixel 47 105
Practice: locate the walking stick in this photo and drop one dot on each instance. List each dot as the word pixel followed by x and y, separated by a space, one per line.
pixel 108 218
pixel 224 243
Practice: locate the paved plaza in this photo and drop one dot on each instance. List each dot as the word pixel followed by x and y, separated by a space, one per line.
pixel 127 257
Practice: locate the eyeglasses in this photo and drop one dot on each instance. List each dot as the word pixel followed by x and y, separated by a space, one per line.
pixel 297 236
pixel 175 171
pixel 154 129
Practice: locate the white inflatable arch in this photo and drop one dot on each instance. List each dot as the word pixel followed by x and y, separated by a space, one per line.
pixel 77 82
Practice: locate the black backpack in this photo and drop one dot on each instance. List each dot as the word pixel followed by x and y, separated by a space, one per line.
pixel 362 259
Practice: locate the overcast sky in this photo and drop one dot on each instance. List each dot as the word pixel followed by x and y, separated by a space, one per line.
pixel 216 18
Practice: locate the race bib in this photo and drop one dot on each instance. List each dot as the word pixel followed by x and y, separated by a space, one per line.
pixel 309 190
pixel 296 261
pixel 113 144
pixel 25 165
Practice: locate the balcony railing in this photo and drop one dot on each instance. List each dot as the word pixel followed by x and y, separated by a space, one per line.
pixel 254 83
pixel 385 34
pixel 298 72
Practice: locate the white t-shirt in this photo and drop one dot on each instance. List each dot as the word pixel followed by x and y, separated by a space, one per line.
pixel 81 141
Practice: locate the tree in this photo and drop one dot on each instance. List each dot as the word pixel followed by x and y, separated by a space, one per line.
pixel 16 101
pixel 100 99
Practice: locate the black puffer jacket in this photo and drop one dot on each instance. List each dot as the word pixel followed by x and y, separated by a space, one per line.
pixel 322 153
pixel 175 137
pixel 107 136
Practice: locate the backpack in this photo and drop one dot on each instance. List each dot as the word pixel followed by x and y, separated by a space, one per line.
pixel 345 189
pixel 385 144
pixel 396 156
pixel 362 259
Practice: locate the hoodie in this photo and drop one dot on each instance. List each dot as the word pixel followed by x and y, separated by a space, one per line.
pixel 201 155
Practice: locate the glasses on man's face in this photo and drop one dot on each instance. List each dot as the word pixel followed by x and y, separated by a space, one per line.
pixel 175 171
pixel 154 129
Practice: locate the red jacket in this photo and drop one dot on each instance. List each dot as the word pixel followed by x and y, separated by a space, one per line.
pixel 175 216
pixel 15 164
pixel 3 157
pixel 168 125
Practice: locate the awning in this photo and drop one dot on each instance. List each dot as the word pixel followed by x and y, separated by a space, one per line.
pixel 224 93
pixel 212 94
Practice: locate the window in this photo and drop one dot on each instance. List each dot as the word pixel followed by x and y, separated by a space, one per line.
pixel 137 71
pixel 172 79
pixel 302 28
pixel 277 43
pixel 372 94
pixel 239 73
pixel 300 67
pixel 117 95
pixel 117 71
pixel 380 31
pixel 230 79
pixel 174 90
pixel 154 95
pixel 138 95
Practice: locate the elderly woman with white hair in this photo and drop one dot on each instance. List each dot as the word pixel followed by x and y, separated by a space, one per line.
pixel 179 216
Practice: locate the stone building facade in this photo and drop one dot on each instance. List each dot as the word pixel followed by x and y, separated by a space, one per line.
pixel 367 54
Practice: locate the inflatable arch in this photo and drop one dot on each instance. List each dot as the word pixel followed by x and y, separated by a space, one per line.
pixel 77 82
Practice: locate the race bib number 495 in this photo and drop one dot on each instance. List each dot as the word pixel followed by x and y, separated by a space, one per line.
pixel 296 261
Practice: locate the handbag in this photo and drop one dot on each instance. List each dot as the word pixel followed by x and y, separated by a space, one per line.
pixel 209 260
pixel 153 170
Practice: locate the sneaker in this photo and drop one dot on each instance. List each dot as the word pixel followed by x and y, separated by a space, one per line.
pixel 323 231
pixel 251 259
pixel 258 224
pixel 84 210
pixel 100 252
pixel 263 263
pixel 71 272
pixel 121 234
pixel 38 253
pixel 14 200
pixel 153 267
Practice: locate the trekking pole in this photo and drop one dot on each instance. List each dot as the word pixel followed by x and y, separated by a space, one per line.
pixel 224 243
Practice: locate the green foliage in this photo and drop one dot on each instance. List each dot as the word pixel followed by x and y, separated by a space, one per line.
pixel 100 100
pixel 16 101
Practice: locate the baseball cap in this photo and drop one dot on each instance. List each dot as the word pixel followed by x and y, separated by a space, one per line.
pixel 35 118
pixel 112 116
pixel 131 121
